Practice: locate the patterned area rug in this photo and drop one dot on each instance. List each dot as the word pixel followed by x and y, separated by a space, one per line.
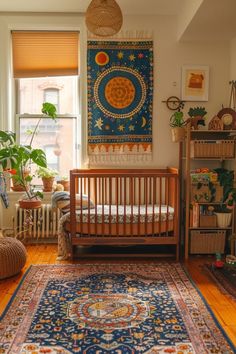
pixel 115 309
pixel 225 278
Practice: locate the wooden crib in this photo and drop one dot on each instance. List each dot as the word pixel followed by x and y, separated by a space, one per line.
pixel 124 207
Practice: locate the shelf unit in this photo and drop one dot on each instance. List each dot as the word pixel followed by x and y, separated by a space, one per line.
pixel 197 152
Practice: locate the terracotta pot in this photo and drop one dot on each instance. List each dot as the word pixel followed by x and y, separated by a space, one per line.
pixel 16 186
pixel 30 203
pixel 47 183
pixel 66 184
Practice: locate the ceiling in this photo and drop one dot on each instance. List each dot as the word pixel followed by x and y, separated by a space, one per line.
pixel 200 19
pixel 146 7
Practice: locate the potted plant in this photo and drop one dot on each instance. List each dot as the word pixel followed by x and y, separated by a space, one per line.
pixel 197 117
pixel 48 177
pixel 64 181
pixel 19 158
pixel 177 124
pixel 224 210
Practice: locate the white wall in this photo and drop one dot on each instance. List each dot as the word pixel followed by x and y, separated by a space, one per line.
pixel 169 56
pixel 187 13
pixel 233 59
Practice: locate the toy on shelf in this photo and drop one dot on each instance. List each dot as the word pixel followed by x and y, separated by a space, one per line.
pixel 197 117
pixel 230 260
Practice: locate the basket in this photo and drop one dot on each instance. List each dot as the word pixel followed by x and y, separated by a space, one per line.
pixel 212 149
pixel 207 221
pixel 202 242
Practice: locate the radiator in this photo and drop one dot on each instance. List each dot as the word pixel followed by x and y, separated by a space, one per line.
pixel 43 226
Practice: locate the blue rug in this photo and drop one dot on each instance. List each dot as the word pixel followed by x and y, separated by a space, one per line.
pixel 110 308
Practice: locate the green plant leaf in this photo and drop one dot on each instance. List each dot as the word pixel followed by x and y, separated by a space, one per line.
pixel 38 157
pixel 49 110
pixel 39 194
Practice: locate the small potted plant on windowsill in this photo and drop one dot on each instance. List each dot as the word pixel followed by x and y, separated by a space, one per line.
pixel 19 158
pixel 177 124
pixel 48 177
pixel 64 180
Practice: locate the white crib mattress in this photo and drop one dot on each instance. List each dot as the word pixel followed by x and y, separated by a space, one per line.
pixel 125 214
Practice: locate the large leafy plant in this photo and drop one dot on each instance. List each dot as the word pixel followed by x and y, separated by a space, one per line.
pixel 226 179
pixel 18 158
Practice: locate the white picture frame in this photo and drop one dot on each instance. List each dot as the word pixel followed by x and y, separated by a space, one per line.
pixel 195 83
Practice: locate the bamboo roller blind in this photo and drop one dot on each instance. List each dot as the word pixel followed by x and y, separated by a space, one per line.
pixel 45 53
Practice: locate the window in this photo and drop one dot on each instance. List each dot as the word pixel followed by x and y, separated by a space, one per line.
pixel 52 95
pixel 48 79
pixel 57 138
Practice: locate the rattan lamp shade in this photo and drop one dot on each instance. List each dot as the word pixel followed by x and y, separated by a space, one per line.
pixel 104 17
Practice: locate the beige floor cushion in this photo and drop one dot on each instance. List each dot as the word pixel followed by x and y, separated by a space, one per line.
pixel 12 256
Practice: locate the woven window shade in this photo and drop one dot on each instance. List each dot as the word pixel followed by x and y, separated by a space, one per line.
pixel 43 53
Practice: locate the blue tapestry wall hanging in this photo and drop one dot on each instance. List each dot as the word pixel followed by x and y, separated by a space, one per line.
pixel 120 94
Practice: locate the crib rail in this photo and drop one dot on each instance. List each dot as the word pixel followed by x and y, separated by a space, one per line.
pixel 147 192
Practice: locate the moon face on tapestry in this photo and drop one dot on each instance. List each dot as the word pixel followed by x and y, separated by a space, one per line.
pixel 120 89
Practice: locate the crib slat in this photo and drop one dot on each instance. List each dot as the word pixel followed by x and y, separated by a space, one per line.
pixel 139 203
pixel 105 190
pixel 81 205
pixel 146 203
pixel 160 207
pixel 96 205
pixel 121 199
pixel 73 190
pixel 110 202
pixel 103 206
pixel 131 205
pixel 167 204
pixel 124 205
pixel 88 193
pixel 153 203
pixel 117 206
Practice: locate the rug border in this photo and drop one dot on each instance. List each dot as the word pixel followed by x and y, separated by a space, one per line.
pixel 217 323
pixel 16 291
pixel 225 335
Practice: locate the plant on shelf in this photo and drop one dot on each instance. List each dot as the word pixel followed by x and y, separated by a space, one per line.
pixel 224 210
pixel 18 160
pixel 197 117
pixel 177 124
pixel 48 176
pixel 226 180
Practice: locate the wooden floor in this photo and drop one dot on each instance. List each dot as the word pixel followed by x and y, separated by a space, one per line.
pixel 223 307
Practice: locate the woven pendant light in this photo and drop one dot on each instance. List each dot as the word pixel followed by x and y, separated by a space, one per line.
pixel 104 17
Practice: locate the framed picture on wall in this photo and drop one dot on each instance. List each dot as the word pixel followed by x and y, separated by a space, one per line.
pixel 195 83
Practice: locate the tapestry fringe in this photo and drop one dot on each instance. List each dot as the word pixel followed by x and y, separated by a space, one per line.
pixel 124 34
pixel 122 159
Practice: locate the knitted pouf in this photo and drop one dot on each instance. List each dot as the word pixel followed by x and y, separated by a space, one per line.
pixel 12 256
